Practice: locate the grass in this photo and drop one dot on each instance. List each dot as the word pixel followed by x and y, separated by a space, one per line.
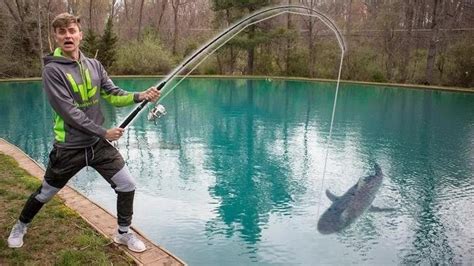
pixel 57 235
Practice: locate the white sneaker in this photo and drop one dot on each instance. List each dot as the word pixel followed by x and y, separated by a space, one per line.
pixel 131 240
pixel 15 240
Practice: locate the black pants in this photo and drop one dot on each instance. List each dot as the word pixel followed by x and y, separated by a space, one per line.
pixel 65 163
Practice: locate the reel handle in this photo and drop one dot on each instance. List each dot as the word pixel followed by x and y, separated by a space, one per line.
pixel 140 107
pixel 157 112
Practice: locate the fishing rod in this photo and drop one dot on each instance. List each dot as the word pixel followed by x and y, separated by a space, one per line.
pixel 232 31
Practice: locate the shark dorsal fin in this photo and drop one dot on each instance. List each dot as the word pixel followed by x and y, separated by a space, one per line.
pixel 378 170
pixel 331 196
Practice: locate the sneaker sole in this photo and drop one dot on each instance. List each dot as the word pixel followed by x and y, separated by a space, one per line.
pixel 15 246
pixel 125 244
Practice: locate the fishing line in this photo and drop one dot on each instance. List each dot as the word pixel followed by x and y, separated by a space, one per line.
pixel 330 130
pixel 328 142
pixel 215 44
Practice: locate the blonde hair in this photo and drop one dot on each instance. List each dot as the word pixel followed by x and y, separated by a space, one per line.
pixel 64 19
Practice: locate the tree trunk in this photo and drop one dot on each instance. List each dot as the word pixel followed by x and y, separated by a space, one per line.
pixel 126 10
pixel 112 8
pixel 40 37
pixel 348 29
pixel 251 52
pixel 219 64
pixel 90 15
pixel 349 18
pixel 311 44
pixel 72 6
pixel 175 4
pixel 50 41
pixel 232 51
pixel 140 21
pixel 288 42
pixel 163 8
pixel 431 58
pixel 408 41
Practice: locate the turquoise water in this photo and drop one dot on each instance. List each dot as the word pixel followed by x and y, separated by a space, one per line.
pixel 232 175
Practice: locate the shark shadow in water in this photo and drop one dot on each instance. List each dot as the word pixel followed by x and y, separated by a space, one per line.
pixel 348 207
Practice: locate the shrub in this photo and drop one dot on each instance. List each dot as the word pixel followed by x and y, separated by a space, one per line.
pixel 460 69
pixel 146 57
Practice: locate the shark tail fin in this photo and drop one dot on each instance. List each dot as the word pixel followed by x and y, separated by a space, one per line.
pixel 378 170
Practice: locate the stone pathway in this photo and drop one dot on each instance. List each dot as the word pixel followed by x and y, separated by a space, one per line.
pixel 96 216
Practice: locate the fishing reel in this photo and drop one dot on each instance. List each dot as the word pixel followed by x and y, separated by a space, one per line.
pixel 156 112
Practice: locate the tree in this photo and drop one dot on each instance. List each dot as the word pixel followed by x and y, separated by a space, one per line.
pixel 289 41
pixel 310 24
pixel 90 44
pixel 408 26
pixel 161 8
pixel 176 5
pixel 433 44
pixel 40 36
pixel 249 41
pixel 108 45
pixel 226 20
pixel 140 20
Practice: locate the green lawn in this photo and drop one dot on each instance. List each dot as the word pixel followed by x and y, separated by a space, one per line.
pixel 57 236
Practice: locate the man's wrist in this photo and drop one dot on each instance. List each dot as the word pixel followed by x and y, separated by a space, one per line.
pixel 137 97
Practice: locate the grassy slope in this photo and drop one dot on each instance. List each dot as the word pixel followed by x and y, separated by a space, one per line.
pixel 57 235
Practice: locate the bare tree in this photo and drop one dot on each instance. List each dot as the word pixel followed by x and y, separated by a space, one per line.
pixel 175 4
pixel 434 39
pixel 21 14
pixel 289 27
pixel 140 20
pixel 162 10
pixel 90 14
pixel 48 11
pixel 112 8
pixel 126 10
pixel 310 24
pixel 40 37
pixel 407 41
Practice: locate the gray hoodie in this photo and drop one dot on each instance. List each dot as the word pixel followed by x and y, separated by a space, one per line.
pixel 73 89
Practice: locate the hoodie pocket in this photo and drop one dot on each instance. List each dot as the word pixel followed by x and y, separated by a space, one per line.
pixel 53 156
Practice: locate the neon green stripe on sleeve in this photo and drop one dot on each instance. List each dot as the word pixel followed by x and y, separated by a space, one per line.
pixel 118 100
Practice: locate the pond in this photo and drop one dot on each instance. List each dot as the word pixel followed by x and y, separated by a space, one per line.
pixel 232 175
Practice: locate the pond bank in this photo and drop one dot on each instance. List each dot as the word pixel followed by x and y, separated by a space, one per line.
pixel 158 77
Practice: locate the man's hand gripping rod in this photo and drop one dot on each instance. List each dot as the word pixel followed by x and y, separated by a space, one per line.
pixel 155 113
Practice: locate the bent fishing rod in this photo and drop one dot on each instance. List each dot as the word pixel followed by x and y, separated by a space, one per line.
pixel 232 31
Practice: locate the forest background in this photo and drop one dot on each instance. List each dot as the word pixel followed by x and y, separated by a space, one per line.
pixel 404 41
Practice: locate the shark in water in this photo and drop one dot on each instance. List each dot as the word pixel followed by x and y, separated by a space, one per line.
pixel 348 207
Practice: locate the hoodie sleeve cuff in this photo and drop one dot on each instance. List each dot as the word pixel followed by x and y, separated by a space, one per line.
pixel 102 132
pixel 136 97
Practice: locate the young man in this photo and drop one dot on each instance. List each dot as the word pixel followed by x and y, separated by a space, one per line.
pixel 73 84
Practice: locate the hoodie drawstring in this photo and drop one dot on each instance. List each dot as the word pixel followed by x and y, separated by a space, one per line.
pixel 87 159
pixel 87 163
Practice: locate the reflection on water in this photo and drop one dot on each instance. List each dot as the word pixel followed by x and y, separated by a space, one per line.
pixel 232 174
